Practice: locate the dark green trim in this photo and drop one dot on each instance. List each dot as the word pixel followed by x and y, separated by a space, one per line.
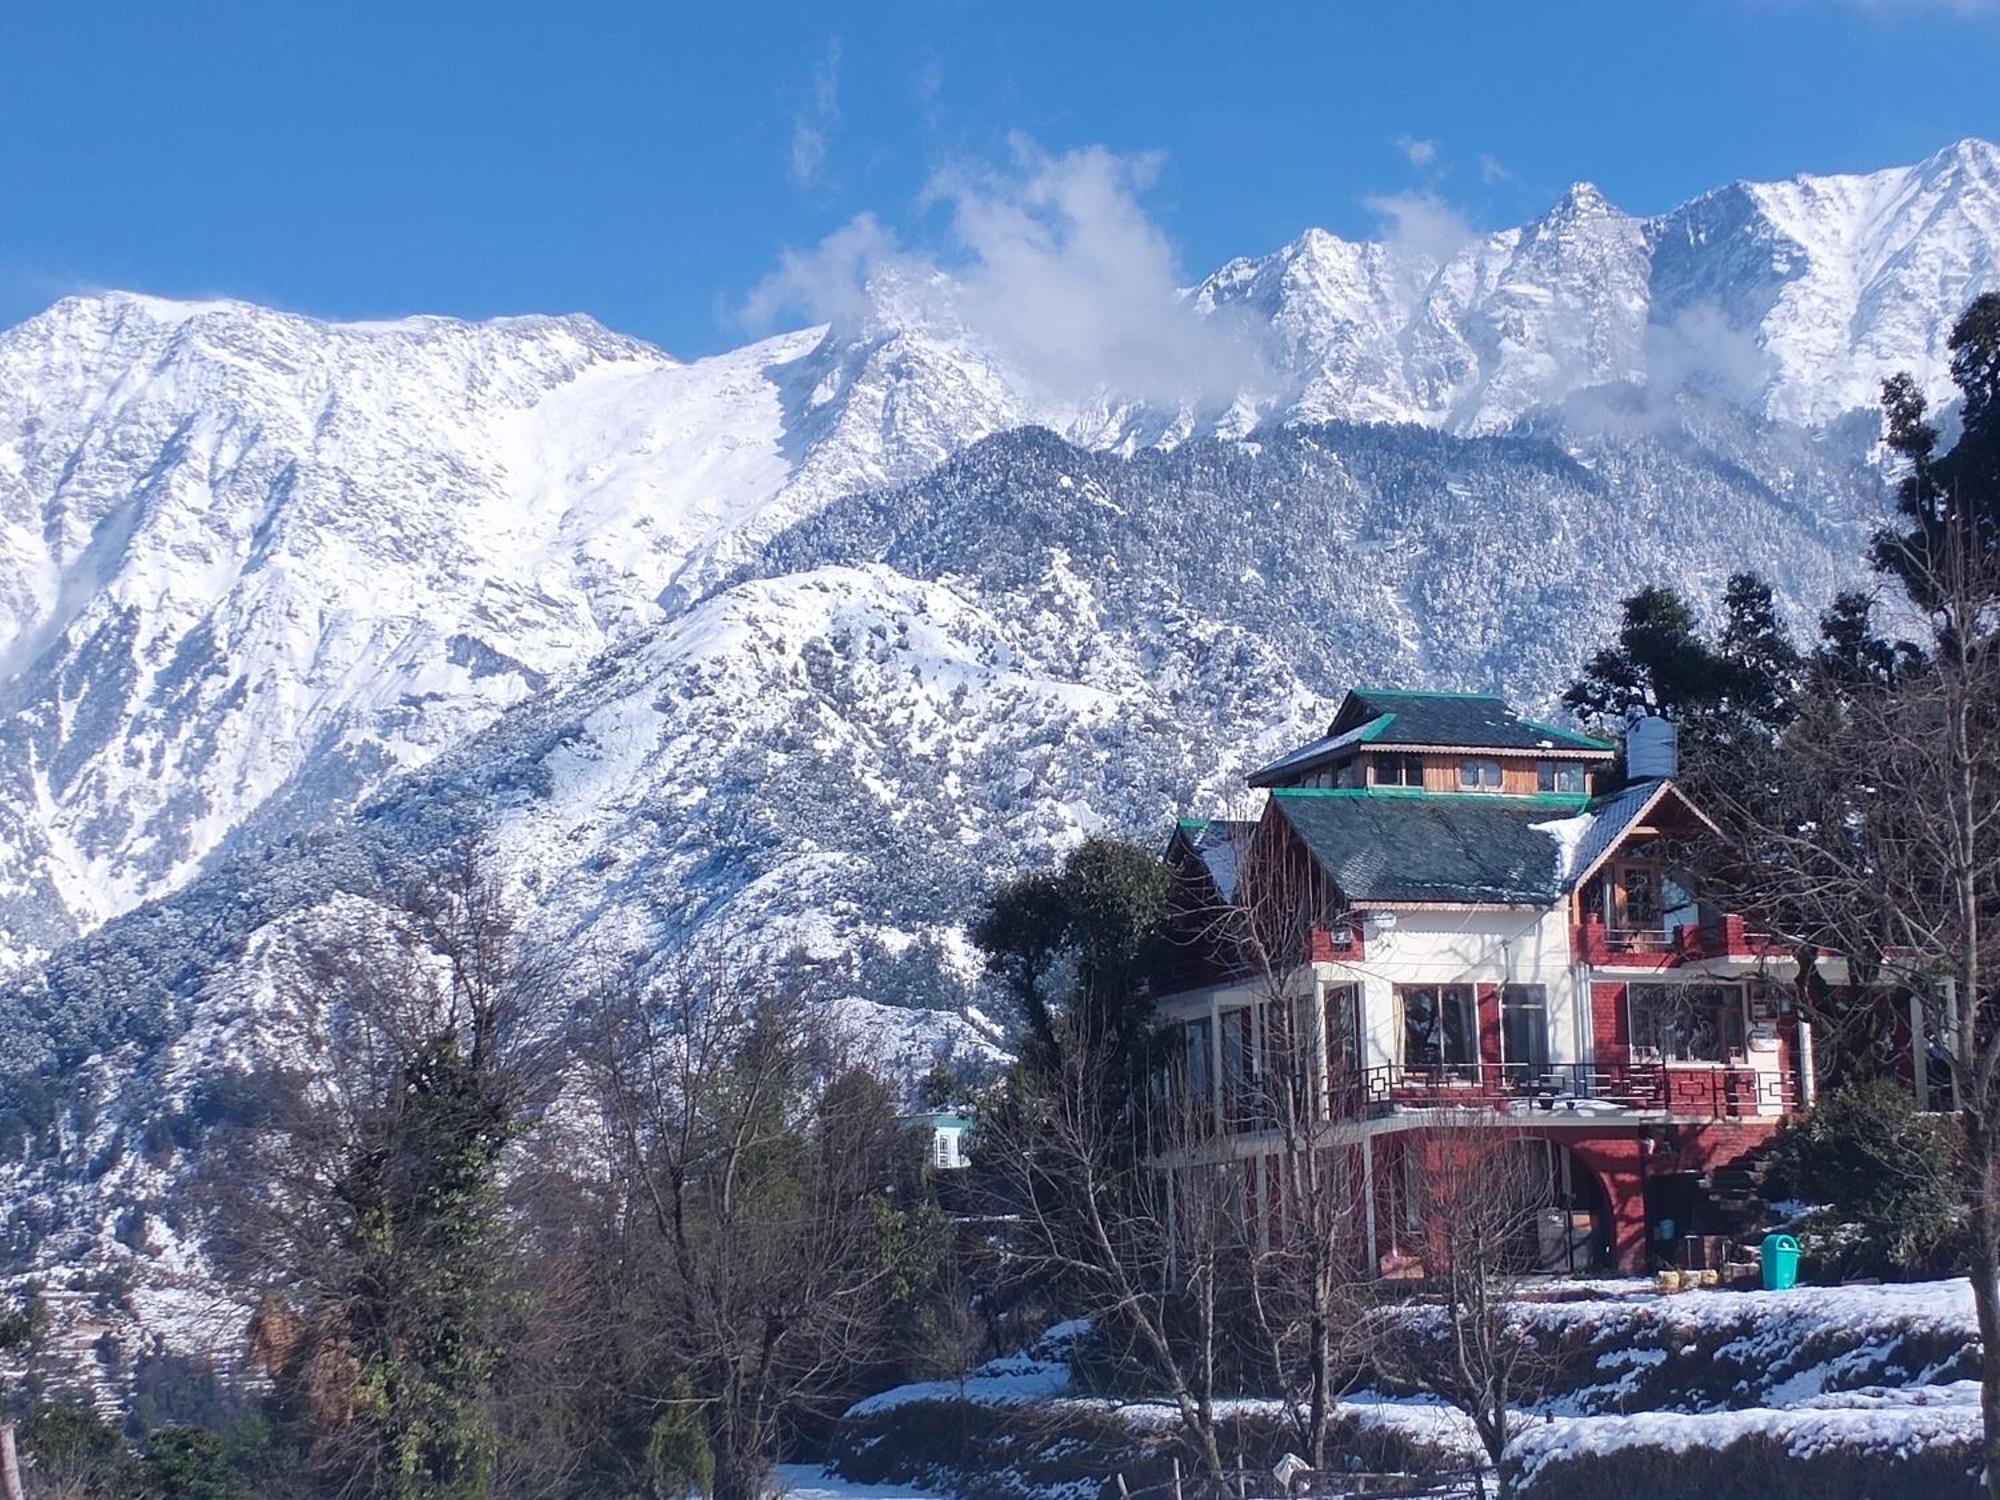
pixel 1375 728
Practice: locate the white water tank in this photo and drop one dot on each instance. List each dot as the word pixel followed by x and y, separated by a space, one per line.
pixel 1652 749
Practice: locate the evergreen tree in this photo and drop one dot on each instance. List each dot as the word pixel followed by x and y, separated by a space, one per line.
pixel 1075 949
pixel 1763 670
pixel 1947 508
pixel 1851 657
pixel 1741 686
pixel 424 1196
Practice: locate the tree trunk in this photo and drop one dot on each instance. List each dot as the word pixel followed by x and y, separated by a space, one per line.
pixel 1322 1360
pixel 10 1465
pixel 1986 1289
pixel 740 1476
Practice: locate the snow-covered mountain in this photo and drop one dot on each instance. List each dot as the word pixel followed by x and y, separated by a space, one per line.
pixel 253 567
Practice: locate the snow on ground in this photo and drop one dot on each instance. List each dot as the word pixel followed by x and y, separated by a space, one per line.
pixel 810 1482
pixel 1803 1345
pixel 1040 1374
pixel 1885 1423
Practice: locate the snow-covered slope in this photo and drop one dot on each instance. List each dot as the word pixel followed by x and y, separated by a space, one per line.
pixel 252 565
pixel 898 702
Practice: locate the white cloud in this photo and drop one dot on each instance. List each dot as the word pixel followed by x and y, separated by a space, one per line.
pixel 1492 169
pixel 828 283
pixel 1420 153
pixel 930 93
pixel 1052 262
pixel 1700 349
pixel 813 126
pixel 1422 222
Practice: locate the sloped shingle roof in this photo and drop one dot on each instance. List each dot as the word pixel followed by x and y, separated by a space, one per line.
pixel 1459 850
pixel 1219 844
pixel 1473 720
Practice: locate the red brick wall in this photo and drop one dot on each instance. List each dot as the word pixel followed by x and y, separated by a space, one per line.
pixel 1618 1157
pixel 1609 1023
pixel 1489 1024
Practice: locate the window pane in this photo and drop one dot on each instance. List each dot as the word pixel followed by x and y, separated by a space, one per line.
pixel 1558 776
pixel 1686 1023
pixel 1461 1026
pixel 1423 1040
pixel 1524 1027
pixel 1479 775
pixel 1440 1025
pixel 1642 898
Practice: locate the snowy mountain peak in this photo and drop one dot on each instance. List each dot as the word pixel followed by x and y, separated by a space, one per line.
pixel 253 565
pixel 1584 200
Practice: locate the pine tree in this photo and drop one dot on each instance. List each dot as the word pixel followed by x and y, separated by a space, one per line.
pixel 1948 508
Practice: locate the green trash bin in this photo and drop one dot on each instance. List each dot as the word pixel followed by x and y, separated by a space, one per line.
pixel 1781 1262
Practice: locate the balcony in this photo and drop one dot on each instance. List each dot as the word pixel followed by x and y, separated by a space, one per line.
pixel 1662 947
pixel 1701 1090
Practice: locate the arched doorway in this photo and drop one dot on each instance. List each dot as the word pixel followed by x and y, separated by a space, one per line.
pixel 1570 1213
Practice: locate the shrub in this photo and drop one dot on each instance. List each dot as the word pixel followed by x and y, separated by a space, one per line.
pixel 193 1463
pixel 71 1447
pixel 1886 1171
pixel 678 1460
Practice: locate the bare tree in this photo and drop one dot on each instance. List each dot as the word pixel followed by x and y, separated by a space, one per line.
pixel 1130 1234
pixel 1308 1280
pixel 757 1164
pixel 1480 1190
pixel 1869 833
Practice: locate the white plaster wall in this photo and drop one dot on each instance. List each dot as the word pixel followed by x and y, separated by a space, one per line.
pixel 1468 947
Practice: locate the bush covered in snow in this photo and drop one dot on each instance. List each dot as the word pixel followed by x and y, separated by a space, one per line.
pixel 1918 1444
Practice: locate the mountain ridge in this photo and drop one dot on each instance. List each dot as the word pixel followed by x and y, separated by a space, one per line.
pixel 254 565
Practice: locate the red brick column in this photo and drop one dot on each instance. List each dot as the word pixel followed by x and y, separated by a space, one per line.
pixel 1620 1165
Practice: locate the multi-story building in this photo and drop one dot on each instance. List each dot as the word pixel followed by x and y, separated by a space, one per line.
pixel 1486 932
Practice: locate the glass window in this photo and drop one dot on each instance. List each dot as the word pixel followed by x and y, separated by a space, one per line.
pixel 1639 896
pixel 1479 775
pixel 1558 776
pixel 1524 1025
pixel 1440 1025
pixel 1686 1022
pixel 1200 1081
pixel 1399 770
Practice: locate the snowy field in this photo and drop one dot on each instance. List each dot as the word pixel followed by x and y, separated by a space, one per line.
pixel 1854 1379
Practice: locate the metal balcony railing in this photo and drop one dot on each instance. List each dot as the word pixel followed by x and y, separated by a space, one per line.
pixel 1710 1090
pixel 1712 937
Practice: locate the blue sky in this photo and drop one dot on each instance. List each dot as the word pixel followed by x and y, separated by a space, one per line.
pixel 650 163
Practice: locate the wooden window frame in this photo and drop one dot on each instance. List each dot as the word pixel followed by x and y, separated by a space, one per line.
pixel 1549 775
pixel 1471 775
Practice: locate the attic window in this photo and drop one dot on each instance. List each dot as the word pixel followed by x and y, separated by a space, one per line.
pixel 1558 776
pixel 1479 775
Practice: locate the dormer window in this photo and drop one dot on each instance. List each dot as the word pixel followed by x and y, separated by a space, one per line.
pixel 1559 776
pixel 1479 775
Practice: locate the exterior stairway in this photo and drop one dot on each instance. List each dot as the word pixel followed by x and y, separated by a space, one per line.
pixel 1736 1195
